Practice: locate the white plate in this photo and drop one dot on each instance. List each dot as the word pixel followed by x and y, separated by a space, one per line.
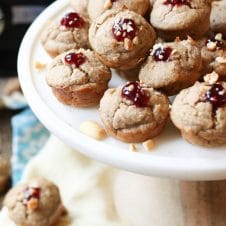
pixel 172 156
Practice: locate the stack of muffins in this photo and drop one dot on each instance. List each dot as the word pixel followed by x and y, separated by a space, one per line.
pixel 174 47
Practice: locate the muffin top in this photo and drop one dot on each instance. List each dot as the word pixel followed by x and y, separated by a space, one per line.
pixel 76 68
pixel 177 15
pixel 171 62
pixel 33 203
pixel 201 108
pixel 71 31
pixel 133 107
pixel 120 35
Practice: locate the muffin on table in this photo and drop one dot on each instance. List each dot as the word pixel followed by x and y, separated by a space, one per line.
pixel 34 203
pixel 213 51
pixel 78 78
pixel 69 32
pixel 218 17
pixel 98 7
pixel 172 66
pixel 121 38
pixel 199 112
pixel 134 113
pixel 181 18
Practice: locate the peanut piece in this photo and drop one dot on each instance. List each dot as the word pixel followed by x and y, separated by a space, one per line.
pixel 32 204
pixel 92 129
pixel 211 46
pixel 221 60
pixel 211 78
pixel 108 4
pixel 128 44
pixel 133 147
pixel 148 145
pixel 40 66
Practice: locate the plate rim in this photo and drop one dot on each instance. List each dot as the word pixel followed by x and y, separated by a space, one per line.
pixel 161 166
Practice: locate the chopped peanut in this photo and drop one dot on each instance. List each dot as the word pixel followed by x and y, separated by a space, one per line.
pixel 32 204
pixel 133 147
pixel 211 78
pixel 39 65
pixel 136 41
pixel 108 4
pixel 128 44
pixel 92 129
pixel 149 145
pixel 221 60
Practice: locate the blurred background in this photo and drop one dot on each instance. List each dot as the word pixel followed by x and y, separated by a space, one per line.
pixel 15 18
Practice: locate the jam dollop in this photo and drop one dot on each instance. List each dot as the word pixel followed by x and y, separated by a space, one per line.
pixel 72 20
pixel 178 2
pixel 124 28
pixel 162 54
pixel 216 96
pixel 219 44
pixel 76 59
pixel 31 193
pixel 135 93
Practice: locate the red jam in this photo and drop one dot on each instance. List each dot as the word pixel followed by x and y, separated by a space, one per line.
pixel 135 93
pixel 219 44
pixel 124 28
pixel 114 1
pixel 162 54
pixel 72 20
pixel 75 58
pixel 178 2
pixel 30 193
pixel 216 96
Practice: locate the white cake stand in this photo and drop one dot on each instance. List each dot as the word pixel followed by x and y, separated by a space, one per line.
pixel 172 156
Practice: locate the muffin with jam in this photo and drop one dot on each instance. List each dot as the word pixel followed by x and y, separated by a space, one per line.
pixel 34 203
pixel 213 51
pixel 134 113
pixel 172 66
pixel 199 112
pixel 78 78
pixel 70 32
pixel 174 18
pixel 121 38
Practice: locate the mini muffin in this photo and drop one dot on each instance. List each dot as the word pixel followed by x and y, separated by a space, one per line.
pixel 134 113
pixel 80 6
pixel 199 112
pixel 4 174
pixel 181 18
pixel 35 203
pixel 78 78
pixel 213 51
pixel 218 17
pixel 68 33
pixel 98 7
pixel 121 38
pixel 172 66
